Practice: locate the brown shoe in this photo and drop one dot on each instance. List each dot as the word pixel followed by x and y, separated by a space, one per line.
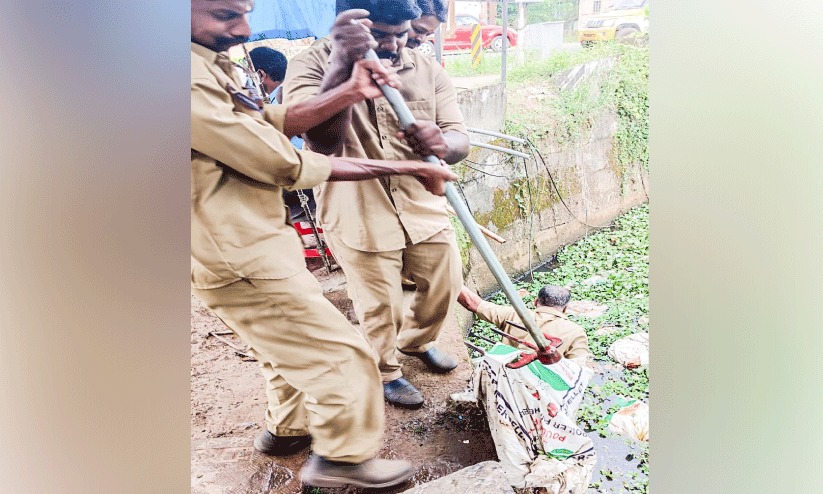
pixel 435 360
pixel 269 444
pixel 371 474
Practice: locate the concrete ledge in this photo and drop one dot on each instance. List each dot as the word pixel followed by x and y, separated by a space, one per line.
pixel 488 477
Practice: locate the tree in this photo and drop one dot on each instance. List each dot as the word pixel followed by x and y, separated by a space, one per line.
pixel 545 11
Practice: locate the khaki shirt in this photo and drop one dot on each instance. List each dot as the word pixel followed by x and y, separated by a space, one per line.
pixel 550 321
pixel 376 215
pixel 240 162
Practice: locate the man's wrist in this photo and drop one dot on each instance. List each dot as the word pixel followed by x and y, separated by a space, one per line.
pixel 351 95
pixel 340 63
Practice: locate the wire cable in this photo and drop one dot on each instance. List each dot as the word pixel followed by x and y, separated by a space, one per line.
pixel 465 199
pixel 557 191
pixel 484 172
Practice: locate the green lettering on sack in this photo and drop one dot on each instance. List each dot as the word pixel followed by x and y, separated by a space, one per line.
pixel 501 349
pixel 560 454
pixel 548 376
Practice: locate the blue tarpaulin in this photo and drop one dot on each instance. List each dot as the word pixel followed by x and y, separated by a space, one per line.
pixel 291 20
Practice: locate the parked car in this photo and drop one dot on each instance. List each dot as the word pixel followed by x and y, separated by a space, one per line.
pixel 629 17
pixel 492 35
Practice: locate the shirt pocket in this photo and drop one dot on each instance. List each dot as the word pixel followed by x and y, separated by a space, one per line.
pixel 422 109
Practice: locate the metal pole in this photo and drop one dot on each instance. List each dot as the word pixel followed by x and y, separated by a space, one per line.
pixel 500 149
pixel 475 347
pixel 521 23
pixel 496 134
pixel 406 118
pixel 321 245
pixel 505 40
pixel 438 44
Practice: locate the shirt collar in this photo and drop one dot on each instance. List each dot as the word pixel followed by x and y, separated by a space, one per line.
pixel 207 53
pixel 550 310
pixel 405 58
pixel 220 59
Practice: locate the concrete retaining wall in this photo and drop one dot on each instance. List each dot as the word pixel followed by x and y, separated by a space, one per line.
pixel 484 105
pixel 593 187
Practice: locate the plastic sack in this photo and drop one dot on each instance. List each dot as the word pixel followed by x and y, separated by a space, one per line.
pixel 631 421
pixel 632 351
pixel 531 414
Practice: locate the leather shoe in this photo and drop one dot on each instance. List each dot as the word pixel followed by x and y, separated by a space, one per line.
pixel 402 393
pixel 371 474
pixel 268 443
pixel 435 360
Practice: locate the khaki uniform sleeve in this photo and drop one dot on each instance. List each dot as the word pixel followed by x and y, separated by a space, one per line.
pixel 496 314
pixel 579 346
pixel 304 76
pixel 250 146
pixel 448 114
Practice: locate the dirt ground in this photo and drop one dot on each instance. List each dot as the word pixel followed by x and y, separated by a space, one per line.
pixel 228 404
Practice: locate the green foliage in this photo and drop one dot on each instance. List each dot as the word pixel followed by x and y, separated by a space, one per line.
pixel 537 70
pixel 609 267
pixel 632 105
pixel 567 116
pixel 521 198
pixel 619 257
pixel 464 242
pixel 533 69
pixel 552 10
pixel 490 63
pixel 574 112
pixel 546 11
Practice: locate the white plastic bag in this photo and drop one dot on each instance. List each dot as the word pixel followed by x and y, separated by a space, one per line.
pixel 632 351
pixel 631 421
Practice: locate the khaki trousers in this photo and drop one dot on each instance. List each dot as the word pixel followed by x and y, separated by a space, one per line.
pixel 320 372
pixel 374 285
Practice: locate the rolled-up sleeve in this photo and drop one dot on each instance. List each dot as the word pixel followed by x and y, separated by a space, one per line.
pixel 250 146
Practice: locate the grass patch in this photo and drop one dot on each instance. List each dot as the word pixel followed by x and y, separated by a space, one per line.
pixel 461 65
pixel 537 109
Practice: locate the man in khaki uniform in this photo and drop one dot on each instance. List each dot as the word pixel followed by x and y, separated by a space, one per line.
pixel 247 263
pixel 549 315
pixel 375 228
pixel 433 13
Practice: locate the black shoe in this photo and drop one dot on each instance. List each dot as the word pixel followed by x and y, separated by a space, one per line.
pixel 408 284
pixel 435 360
pixel 268 443
pixel 402 393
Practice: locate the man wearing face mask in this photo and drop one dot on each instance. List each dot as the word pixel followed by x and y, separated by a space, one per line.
pixel 378 228
pixel 433 13
pixel 270 65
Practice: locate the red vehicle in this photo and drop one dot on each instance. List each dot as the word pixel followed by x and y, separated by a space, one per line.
pixel 492 35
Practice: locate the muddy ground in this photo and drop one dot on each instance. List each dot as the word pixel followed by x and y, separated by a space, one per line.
pixel 228 406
